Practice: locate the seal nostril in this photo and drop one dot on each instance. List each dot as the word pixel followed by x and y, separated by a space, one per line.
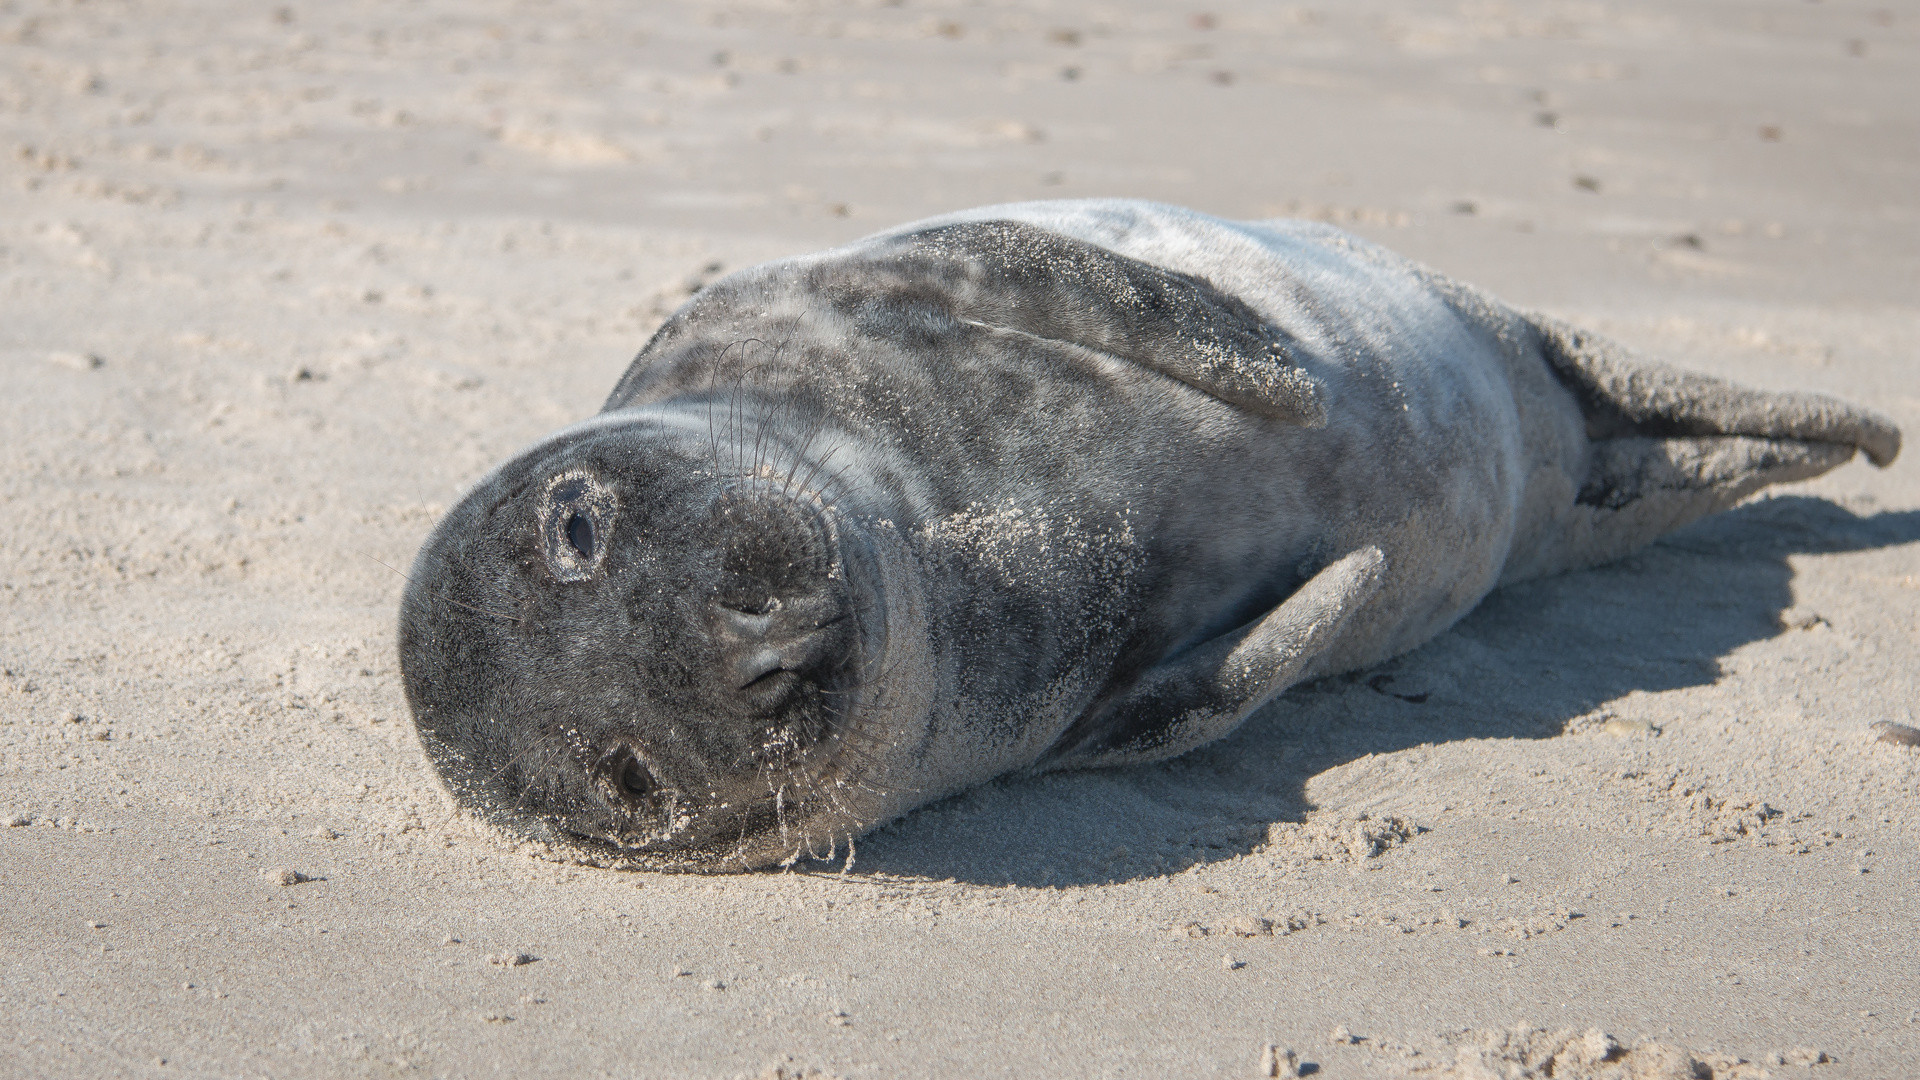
pixel 580 534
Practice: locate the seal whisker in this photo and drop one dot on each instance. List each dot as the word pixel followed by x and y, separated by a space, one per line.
pixel 760 428
pixel 835 486
pixel 733 402
pixel 807 484
pixel 820 794
pixel 841 781
pixel 544 744
pixel 521 801
pixel 860 731
pixel 810 432
pixel 859 754
pixel 868 706
pixel 713 434
pixel 408 578
pixel 744 462
pixel 811 429
pixel 780 806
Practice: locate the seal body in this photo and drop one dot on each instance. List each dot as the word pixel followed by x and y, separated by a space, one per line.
pixel 1034 486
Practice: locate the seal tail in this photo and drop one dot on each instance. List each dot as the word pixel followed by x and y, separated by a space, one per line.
pixel 1668 447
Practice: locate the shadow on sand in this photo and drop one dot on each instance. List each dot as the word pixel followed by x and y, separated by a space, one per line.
pixel 1526 661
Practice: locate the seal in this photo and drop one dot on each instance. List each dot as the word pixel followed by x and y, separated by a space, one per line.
pixel 1039 486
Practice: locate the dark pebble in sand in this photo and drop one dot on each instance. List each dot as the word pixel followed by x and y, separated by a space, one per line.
pixel 1897 734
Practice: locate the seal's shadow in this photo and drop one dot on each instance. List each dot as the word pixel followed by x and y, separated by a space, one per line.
pixel 1521 665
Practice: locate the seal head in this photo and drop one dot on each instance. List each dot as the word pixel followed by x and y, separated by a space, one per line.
pixel 614 646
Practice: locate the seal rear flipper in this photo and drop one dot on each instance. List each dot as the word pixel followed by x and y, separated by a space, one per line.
pixel 1639 488
pixel 1206 691
pixel 1014 276
pixel 1666 447
pixel 1623 395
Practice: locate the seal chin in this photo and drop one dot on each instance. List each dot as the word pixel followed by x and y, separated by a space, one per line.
pixel 633 818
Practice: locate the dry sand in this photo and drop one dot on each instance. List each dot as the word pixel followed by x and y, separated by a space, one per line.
pixel 280 281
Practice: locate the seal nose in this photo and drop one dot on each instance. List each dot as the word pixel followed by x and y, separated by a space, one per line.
pixel 769 653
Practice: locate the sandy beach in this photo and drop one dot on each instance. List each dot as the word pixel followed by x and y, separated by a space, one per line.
pixel 281 281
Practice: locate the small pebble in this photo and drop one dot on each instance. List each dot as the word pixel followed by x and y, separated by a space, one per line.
pixel 78 361
pixel 839 1018
pixel 1341 1036
pixel 15 821
pixel 510 958
pixel 281 875
pixel 1896 734
pixel 1798 618
pixel 716 984
pixel 1231 964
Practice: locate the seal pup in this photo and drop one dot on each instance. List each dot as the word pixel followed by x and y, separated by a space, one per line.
pixel 1030 487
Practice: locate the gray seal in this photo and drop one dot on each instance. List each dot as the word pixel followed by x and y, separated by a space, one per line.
pixel 1040 486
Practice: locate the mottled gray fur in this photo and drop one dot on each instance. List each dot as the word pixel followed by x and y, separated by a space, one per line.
pixel 1035 486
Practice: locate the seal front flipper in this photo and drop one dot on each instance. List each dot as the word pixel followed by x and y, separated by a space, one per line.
pixel 1014 276
pixel 1206 691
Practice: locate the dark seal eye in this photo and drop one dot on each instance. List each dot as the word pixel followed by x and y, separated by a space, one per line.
pixel 580 534
pixel 576 517
pixel 635 780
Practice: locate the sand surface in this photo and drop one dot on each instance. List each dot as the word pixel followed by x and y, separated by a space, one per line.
pixel 279 281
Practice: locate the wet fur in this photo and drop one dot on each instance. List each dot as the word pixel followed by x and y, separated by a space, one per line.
pixel 1097 479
